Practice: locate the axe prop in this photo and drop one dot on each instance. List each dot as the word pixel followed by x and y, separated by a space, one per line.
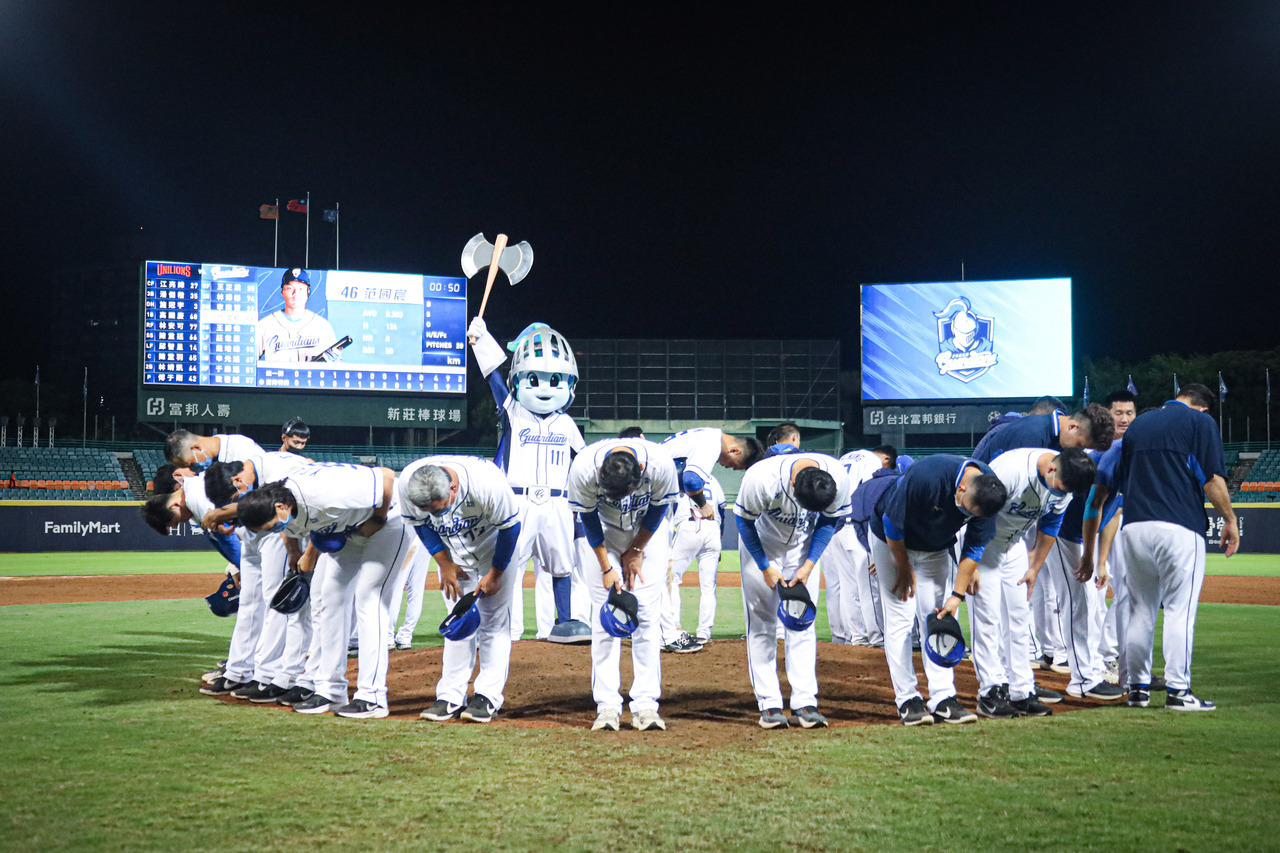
pixel 515 261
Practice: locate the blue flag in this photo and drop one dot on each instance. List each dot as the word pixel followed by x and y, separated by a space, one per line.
pixel 1086 390
pixel 38 377
pixel 1130 387
pixel 1176 389
pixel 1222 388
pixel 331 216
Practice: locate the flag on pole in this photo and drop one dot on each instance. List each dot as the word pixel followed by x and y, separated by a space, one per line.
pixel 268 211
pixel 38 379
pixel 331 216
pixel 1268 384
pixel 1176 390
pixel 1130 387
pixel 296 205
pixel 1086 390
pixel 1222 388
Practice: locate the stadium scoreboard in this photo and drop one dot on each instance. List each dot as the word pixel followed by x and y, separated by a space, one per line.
pixel 377 348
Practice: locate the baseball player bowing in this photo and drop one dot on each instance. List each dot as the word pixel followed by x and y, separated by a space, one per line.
pixel 281 652
pixel 1039 484
pixel 621 488
pixel 347 515
pixel 913 528
pixel 695 452
pixel 788 508
pixel 467 515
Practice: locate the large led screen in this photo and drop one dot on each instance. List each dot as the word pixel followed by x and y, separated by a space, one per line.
pixel 229 326
pixel 966 340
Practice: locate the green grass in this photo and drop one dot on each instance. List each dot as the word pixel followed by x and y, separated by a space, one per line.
pixel 105 744
pixel 175 562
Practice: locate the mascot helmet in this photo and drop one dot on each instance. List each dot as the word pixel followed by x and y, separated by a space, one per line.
pixel 544 370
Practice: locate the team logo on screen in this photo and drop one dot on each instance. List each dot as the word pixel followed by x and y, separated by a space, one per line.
pixel 965 341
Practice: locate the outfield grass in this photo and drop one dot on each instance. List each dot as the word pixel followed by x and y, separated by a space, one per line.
pixel 106 744
pixel 150 563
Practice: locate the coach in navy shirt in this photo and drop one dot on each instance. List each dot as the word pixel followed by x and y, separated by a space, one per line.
pixel 914 526
pixel 1170 462
pixel 1090 427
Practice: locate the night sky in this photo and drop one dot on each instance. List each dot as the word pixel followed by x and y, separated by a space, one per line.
pixel 730 176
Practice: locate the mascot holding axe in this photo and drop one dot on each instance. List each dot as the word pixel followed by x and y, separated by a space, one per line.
pixel 538 441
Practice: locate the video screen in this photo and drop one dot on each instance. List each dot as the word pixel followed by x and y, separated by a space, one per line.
pixel 966 340
pixel 232 326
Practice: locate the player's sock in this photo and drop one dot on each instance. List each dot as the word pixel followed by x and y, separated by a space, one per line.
pixel 560 590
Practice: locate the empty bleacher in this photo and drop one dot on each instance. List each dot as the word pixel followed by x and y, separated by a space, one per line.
pixel 61 473
pixel 1263 482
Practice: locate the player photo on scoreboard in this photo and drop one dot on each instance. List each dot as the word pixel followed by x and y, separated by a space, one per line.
pixel 292 325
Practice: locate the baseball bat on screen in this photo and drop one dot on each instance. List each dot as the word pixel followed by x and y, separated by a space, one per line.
pixel 331 352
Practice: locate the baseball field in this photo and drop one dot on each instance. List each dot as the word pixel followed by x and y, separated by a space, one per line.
pixel 106 744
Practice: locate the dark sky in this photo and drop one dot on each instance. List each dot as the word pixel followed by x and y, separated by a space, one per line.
pixel 678 176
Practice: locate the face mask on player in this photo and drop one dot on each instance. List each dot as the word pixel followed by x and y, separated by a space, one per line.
pixel 543 393
pixel 197 463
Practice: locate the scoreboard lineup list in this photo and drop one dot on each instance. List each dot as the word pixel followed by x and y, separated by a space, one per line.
pixel 201 331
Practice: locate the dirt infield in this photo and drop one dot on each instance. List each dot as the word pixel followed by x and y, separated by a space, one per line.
pixel 69 589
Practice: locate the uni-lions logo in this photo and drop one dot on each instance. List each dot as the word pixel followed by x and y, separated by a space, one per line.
pixel 965 341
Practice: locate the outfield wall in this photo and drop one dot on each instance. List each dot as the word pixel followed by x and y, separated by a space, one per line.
pixel 38 526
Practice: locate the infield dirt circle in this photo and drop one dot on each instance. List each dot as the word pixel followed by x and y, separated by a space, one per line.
pixel 706 701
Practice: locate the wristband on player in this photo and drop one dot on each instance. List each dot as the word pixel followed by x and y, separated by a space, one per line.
pixel 378 519
pixel 955 594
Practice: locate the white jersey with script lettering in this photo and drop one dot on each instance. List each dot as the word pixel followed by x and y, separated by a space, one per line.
pixel 484 505
pixel 282 339
pixel 657 485
pixel 334 498
pixel 768 498
pixel 535 450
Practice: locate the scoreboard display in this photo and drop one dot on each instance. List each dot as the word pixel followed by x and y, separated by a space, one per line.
pixel 229 327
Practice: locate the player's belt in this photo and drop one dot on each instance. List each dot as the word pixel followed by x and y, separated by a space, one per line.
pixel 539 494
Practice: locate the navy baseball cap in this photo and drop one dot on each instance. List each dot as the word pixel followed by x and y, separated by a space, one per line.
pixel 944 641
pixel 295 274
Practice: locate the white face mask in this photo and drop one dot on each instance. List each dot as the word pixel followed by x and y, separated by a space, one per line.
pixel 963 511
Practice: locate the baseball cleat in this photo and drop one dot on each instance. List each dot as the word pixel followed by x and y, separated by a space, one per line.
pixel 913 713
pixel 441 712
pixel 221 687
pixel 1031 707
pixel 1105 692
pixel 267 694
pixel 294 695
pixel 809 718
pixel 403 646
pixel 361 709
pixel 211 675
pixel 1112 673
pixel 1139 697
pixel 478 710
pixel 1047 696
pixel 1185 700
pixel 702 641
pixel 317 704
pixel 950 710
pixel 646 720
pixel 247 690
pixel 1157 683
pixel 992 704
pixel 683 645
pixel 607 720
pixel 773 718
pixel 1060 667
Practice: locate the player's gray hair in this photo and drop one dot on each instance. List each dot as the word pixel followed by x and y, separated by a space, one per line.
pixel 428 484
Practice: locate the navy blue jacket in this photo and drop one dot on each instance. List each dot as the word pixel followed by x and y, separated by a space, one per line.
pixel 1167 457
pixel 921 504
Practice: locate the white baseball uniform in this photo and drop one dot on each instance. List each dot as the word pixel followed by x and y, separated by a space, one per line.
pixel 283 339
pixel 337 498
pixel 469 529
pixel 999 613
pixel 767 502
pixel 621 522
pixel 535 452
pixel 694 538
pixel 852 606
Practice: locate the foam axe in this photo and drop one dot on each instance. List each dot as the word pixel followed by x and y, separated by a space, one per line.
pixel 515 261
